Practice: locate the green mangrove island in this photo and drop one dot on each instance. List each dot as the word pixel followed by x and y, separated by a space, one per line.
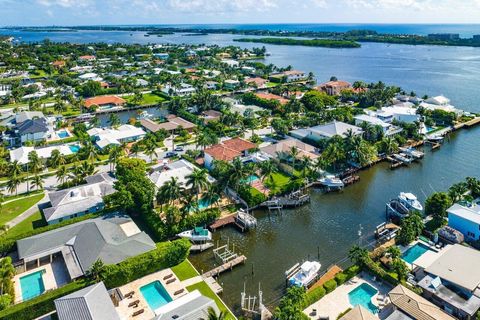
pixel 328 43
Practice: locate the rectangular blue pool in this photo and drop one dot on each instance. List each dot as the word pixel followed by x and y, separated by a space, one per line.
pixel 362 295
pixel 155 295
pixel 414 252
pixel 63 134
pixel 32 285
pixel 74 148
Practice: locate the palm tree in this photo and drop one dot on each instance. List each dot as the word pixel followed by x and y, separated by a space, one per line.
pixel 62 174
pixel 237 173
pixel 135 149
pixel 34 162
pixel 473 184
pixel 37 181
pixel 170 191
pixel 389 145
pixel 189 204
pixel 198 180
pixel 13 183
pixel 293 153
pixel 458 191
pixel 267 169
pixel 150 149
pixel 7 271
pixel 212 315
pixel 114 120
pixel 56 158
pixel 114 154
pixel 95 270
pixel 90 151
pixel 358 255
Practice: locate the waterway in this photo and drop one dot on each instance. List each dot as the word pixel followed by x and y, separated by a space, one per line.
pixel 327 227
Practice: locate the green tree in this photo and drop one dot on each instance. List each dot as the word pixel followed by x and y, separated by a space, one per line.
pixel 212 315
pixel 7 271
pixel 62 174
pixel 437 205
pixel 114 120
pixel 37 181
pixel 358 255
pixel 411 227
pixel 198 181
pixel 95 270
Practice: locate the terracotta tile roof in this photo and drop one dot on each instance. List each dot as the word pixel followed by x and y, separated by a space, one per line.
pixel 104 100
pixel 271 96
pixel 229 149
pixel 258 81
pixel 58 63
pixel 87 57
pixel 336 84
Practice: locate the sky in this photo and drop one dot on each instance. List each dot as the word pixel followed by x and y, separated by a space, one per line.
pixel 94 12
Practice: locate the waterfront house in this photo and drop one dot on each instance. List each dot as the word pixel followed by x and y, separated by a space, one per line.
pixel 440 103
pixel 105 137
pixel 33 130
pixel 333 88
pixel 465 219
pixel 388 129
pixel 326 131
pixel 79 200
pixel 402 112
pixel 231 84
pixel 289 76
pixel 451 279
pixel 211 115
pixel 227 151
pixel 256 82
pixel 271 96
pixel 231 63
pixel 180 170
pixel 172 124
pixel 104 102
pixel 282 148
pixel 111 238
pixel 406 304
pixel 92 302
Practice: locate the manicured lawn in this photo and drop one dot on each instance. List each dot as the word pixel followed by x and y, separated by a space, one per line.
pixel 184 271
pixel 16 207
pixel 280 180
pixel 33 222
pixel 147 98
pixel 206 291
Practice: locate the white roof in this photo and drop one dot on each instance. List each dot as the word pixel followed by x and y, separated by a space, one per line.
pixel 398 109
pixel 372 120
pixel 21 154
pixel 470 214
pixel 107 136
pixel 89 75
pixel 438 100
pixel 179 169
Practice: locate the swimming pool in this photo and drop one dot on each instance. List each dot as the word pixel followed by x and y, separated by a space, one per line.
pixel 74 148
pixel 250 179
pixel 155 295
pixel 414 252
pixel 63 134
pixel 362 295
pixel 32 285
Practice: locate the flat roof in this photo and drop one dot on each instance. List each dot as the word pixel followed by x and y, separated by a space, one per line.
pixel 459 265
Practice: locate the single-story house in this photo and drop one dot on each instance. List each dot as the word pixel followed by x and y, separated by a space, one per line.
pixel 211 115
pixel 440 103
pixel 227 150
pixel 104 101
pixel 185 89
pixel 451 280
pixel 257 82
pixel 326 131
pixel 111 238
pixel 172 124
pixel 191 306
pixel 21 154
pixel 406 304
pixel 105 137
pixel 180 170
pixel 282 149
pixel 402 112
pixel 231 63
pixel 92 302
pixel 79 200
pixel 334 88
pixel 271 96
pixel 466 220
pixel 289 76
pixel 59 64
pixel 387 128
pixel 86 58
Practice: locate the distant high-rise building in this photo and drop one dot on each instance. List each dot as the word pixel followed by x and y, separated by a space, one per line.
pixel 444 36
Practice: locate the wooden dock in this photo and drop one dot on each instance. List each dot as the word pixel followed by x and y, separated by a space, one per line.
pixel 472 122
pixel 225 267
pixel 222 222
pixel 328 275
pixel 213 284
pixel 201 247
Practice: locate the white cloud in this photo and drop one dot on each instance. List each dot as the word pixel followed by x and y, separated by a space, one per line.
pixel 221 6
pixel 66 3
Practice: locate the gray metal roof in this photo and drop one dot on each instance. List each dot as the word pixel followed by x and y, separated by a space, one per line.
pixel 193 306
pixel 90 303
pixel 102 238
pixel 32 126
pixel 335 128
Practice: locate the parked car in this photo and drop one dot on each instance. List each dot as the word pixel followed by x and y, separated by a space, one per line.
pixel 179 148
pixel 170 154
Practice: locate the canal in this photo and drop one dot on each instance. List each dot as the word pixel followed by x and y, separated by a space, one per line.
pixel 329 225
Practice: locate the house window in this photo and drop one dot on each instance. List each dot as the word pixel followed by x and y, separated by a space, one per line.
pixel 470 234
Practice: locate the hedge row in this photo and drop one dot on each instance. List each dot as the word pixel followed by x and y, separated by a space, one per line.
pixel 167 254
pixel 378 271
pixel 42 304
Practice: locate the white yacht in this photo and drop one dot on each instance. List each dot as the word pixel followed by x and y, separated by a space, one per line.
pixel 410 201
pixel 331 181
pixel 305 274
pixel 197 234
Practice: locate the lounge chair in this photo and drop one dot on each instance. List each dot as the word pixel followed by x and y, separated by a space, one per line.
pixel 168 276
pixel 134 303
pixel 130 294
pixel 178 292
pixel 138 312
pixel 170 281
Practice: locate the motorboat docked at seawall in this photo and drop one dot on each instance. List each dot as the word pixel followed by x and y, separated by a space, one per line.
pixel 436 138
pixel 410 201
pixel 197 234
pixel 245 219
pixel 331 181
pixel 303 275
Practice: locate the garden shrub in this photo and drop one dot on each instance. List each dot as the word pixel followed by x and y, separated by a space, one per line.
pixel 330 285
pixel 314 295
pixel 341 278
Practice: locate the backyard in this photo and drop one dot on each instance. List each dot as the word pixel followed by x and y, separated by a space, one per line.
pixel 14 208
pixel 147 99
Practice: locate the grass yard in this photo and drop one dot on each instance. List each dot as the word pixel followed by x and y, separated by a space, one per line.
pixel 184 270
pixel 12 209
pixel 206 291
pixel 277 182
pixel 147 98
pixel 33 222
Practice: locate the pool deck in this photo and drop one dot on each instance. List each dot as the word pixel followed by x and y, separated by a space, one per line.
pixel 171 288
pixel 337 301
pixel 403 249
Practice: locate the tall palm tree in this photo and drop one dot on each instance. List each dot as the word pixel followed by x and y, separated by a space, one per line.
pixel 171 190
pixel 293 153
pixel 198 180
pixel 62 174
pixel 90 152
pixel 114 120
pixel 114 154
pixel 7 271
pixel 13 183
pixel 237 173
pixel 358 255
pixel 37 181
pixel 34 162
pixel 150 149
pixel 267 169
pixel 54 158
pixel 189 204
pixel 135 149
pixel 212 315
pixel 389 145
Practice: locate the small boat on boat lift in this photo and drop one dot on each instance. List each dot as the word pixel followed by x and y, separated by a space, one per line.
pixel 196 235
pixel 304 275
pixel 245 219
pixel 331 181
pixel 410 201
pixel 436 138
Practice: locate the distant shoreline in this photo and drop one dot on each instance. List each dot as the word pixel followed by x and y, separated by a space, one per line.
pixel 327 43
